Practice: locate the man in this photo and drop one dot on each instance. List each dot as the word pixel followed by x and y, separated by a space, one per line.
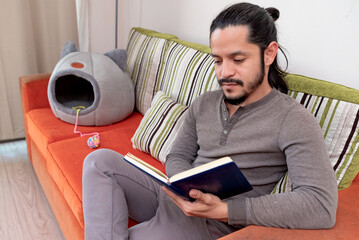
pixel 263 130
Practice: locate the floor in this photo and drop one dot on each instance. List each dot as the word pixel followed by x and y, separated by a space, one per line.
pixel 24 210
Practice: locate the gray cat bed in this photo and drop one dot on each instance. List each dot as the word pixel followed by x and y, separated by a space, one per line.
pixel 95 83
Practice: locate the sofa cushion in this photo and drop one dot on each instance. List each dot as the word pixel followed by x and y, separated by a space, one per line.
pixel 337 110
pixel 159 127
pixel 188 71
pixel 144 59
pixel 44 128
pixel 67 156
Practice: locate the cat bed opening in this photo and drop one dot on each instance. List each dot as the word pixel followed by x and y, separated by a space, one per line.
pixel 93 83
pixel 71 90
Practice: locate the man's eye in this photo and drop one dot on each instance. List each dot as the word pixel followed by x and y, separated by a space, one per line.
pixel 217 62
pixel 239 60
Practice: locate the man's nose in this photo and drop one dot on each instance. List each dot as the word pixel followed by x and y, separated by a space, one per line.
pixel 227 70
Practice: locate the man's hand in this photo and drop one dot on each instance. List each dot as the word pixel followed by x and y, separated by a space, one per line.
pixel 206 205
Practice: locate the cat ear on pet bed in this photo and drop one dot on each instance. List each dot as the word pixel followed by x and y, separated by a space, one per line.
pixel 119 56
pixel 69 47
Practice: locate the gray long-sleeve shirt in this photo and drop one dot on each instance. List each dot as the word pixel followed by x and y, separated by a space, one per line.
pixel 265 139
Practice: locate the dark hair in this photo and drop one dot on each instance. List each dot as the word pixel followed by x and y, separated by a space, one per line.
pixel 262 31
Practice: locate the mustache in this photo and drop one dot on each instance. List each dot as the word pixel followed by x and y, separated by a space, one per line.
pixel 230 80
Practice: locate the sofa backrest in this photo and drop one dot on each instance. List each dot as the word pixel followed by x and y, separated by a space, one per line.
pixel 184 70
pixel 187 72
pixel 145 52
pixel 161 62
pixel 336 108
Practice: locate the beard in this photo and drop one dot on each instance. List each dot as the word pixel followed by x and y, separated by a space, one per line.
pixel 253 85
pixel 236 100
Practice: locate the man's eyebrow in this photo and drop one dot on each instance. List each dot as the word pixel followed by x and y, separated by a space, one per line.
pixel 232 54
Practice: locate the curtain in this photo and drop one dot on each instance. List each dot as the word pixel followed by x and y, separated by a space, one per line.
pixel 32 34
pixel 83 24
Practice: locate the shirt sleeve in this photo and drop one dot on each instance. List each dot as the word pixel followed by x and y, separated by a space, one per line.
pixel 312 203
pixel 185 147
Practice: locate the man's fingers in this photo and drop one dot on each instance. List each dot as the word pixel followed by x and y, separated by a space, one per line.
pixel 200 196
pixel 177 199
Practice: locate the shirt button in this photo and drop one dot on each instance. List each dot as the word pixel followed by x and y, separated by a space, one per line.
pixel 225 119
pixel 225 131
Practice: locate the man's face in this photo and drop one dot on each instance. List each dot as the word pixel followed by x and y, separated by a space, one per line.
pixel 238 64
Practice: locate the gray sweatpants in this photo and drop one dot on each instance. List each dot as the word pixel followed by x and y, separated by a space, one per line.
pixel 114 190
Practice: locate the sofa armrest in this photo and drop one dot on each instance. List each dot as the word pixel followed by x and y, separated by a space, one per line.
pixel 33 96
pixel 34 91
pixel 345 228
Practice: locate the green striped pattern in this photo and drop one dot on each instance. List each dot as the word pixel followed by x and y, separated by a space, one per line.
pixel 184 70
pixel 284 185
pixel 187 72
pixel 339 122
pixel 145 52
pixel 159 126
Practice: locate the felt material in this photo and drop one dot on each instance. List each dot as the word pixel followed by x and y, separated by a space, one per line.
pixel 68 48
pixel 119 56
pixel 94 81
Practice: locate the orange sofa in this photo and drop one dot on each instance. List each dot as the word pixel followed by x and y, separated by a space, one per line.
pixel 57 153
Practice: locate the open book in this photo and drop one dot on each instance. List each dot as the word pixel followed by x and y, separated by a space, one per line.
pixel 220 177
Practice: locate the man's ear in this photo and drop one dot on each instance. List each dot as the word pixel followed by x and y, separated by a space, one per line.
pixel 270 53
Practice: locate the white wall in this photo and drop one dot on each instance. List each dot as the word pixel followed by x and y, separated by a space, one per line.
pixel 321 37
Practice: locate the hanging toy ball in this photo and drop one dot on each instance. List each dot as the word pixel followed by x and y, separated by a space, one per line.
pixel 93 142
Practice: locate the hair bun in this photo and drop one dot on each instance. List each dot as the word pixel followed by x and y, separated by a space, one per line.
pixel 273 12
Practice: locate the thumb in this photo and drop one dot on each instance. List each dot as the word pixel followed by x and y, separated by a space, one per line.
pixel 197 194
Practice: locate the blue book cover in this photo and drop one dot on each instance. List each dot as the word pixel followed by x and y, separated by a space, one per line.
pixel 221 177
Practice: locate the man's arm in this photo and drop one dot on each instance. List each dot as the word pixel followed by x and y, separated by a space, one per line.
pixel 312 203
pixel 183 153
pixel 184 149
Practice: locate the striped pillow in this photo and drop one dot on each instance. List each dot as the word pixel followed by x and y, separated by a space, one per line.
pixel 187 72
pixel 159 126
pixel 339 122
pixel 284 185
pixel 144 58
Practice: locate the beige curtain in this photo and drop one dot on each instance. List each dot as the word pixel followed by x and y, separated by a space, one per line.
pixel 83 24
pixel 32 34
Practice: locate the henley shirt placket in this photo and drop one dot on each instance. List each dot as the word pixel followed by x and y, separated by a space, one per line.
pixel 228 123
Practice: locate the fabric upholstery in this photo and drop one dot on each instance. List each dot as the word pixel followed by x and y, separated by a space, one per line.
pixel 187 72
pixel 71 227
pixel 98 85
pixel 344 228
pixel 34 92
pixel 65 167
pixel 33 95
pixel 58 153
pixel 145 51
pixel 43 127
pixel 159 126
pixel 337 110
